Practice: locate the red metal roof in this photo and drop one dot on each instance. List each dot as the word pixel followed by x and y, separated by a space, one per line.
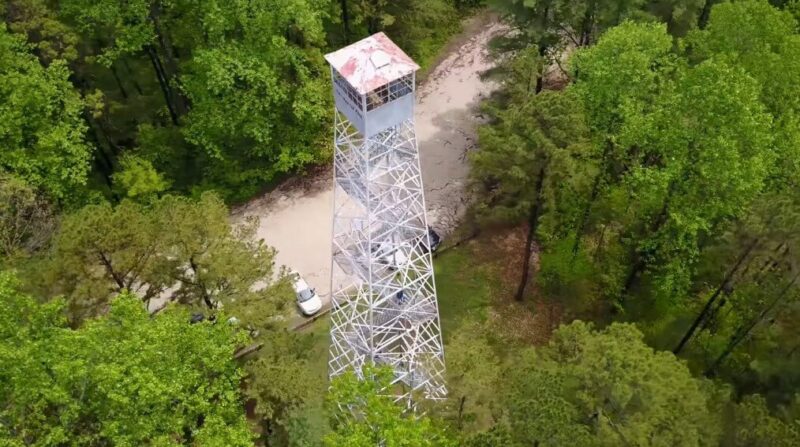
pixel 371 62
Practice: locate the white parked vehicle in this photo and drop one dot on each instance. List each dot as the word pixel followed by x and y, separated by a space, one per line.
pixel 307 299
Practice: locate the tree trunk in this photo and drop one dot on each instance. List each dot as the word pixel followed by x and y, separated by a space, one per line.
pixel 533 220
pixel 713 298
pixel 772 262
pixel 638 267
pixel 247 350
pixel 122 90
pixel 96 131
pixel 203 290
pixel 345 21
pixel 103 162
pixel 162 82
pixel 711 317
pixel 164 42
pixel 600 242
pixel 586 26
pixel 640 264
pixel 103 166
pixel 702 21
pixel 373 18
pixel 171 72
pixel 111 272
pixel 535 75
pixel 461 403
pixel 266 431
pixel 526 261
pixel 584 222
pixel 542 50
pixel 744 331
pixel 135 83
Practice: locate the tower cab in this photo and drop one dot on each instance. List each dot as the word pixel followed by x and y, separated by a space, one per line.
pixel 373 84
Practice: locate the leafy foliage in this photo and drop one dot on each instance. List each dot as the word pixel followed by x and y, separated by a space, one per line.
pixel 551 25
pixel 679 210
pixel 182 248
pixel 42 131
pixel 262 91
pixel 419 27
pixel 764 42
pixel 26 219
pixel 50 38
pixel 531 162
pixel 607 387
pixel 279 379
pixel 528 154
pixel 473 370
pixel 753 425
pixel 138 179
pixel 660 186
pixel 362 416
pixel 125 378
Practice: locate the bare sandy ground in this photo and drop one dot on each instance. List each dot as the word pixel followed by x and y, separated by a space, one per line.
pixel 296 217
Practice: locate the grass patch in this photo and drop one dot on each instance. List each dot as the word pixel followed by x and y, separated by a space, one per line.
pixel 315 408
pixel 464 286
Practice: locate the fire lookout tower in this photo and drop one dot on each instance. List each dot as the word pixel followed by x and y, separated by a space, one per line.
pixel 382 287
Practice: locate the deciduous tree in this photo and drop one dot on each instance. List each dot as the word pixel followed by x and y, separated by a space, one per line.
pixel 362 416
pixel 752 425
pixel 258 91
pixel 123 379
pixel 41 128
pixel 50 38
pixel 607 387
pixel 549 24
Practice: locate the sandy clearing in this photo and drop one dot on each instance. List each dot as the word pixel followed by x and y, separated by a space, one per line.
pixel 296 217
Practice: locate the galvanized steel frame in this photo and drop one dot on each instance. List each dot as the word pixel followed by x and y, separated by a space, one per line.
pixel 384 306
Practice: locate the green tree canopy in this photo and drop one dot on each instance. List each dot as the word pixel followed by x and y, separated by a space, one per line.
pixel 259 92
pixel 123 379
pixel 176 248
pixel 138 179
pixel 362 416
pixel 764 42
pixel 607 388
pixel 41 128
pixel 473 377
pixel 531 163
pixel 51 38
pixel 548 23
pixel 125 27
pixel 753 425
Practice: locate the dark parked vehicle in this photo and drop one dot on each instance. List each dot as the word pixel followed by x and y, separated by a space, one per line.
pixel 435 241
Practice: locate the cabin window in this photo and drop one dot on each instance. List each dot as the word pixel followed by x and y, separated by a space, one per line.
pixel 389 92
pixel 350 94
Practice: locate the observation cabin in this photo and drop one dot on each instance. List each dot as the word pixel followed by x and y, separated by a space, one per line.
pixel 373 83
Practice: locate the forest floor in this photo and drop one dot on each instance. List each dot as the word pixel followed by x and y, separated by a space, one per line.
pixel 295 218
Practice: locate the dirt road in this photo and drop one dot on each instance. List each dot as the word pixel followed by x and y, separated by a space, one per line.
pixel 296 217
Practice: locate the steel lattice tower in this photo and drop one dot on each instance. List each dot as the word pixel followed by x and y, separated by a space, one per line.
pixel 382 286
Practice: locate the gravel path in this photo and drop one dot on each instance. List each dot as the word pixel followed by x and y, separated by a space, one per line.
pixel 296 217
